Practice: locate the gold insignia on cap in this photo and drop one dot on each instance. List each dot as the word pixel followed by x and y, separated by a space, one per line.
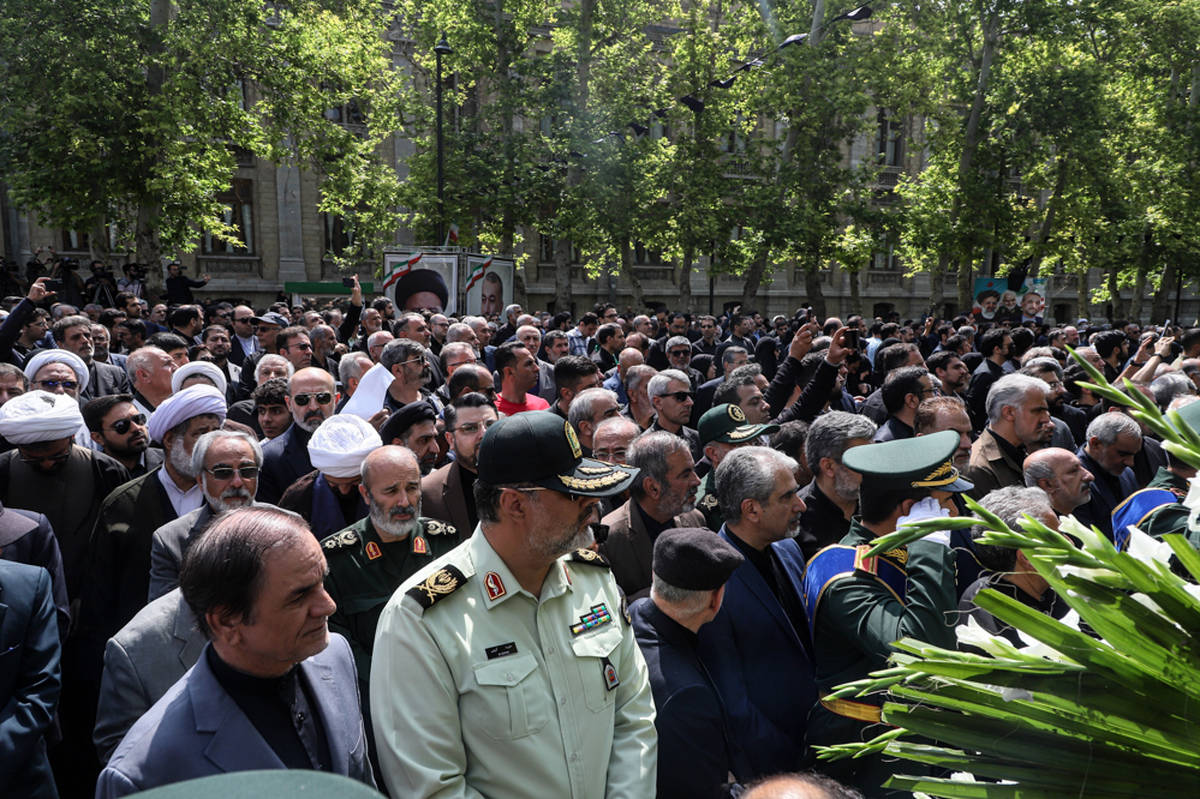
pixel 592 483
pixel 437 586
pixel 573 440
pixel 594 469
pixel 736 414
pixel 943 475
pixel 346 538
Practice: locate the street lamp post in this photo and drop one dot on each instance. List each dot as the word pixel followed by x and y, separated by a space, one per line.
pixel 440 49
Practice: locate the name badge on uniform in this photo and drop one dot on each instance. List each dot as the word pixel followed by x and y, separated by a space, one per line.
pixel 373 551
pixel 501 650
pixel 611 680
pixel 596 617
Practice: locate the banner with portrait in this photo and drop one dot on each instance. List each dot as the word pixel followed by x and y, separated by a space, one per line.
pixel 488 285
pixel 997 299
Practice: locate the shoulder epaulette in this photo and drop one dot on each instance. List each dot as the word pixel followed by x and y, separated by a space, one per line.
pixel 346 538
pixel 589 557
pixel 435 527
pixel 437 586
pixel 708 502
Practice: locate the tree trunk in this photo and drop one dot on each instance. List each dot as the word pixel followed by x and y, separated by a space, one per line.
pixel 1160 308
pixel 562 275
pixel 1139 279
pixel 684 281
pixel 812 287
pixel 1084 295
pixel 1114 292
pixel 966 281
pixel 855 291
pixel 754 279
pixel 1041 243
pixel 937 287
pixel 635 284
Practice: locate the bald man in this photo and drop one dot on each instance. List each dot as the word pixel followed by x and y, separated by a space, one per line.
pixel 616 381
pixel 799 786
pixel 1061 475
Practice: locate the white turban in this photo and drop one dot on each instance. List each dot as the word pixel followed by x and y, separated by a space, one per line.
pixel 178 408
pixel 39 416
pixel 205 368
pixel 339 446
pixel 58 356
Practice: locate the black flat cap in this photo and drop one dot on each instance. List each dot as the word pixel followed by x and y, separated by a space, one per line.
pixel 694 558
pixel 398 423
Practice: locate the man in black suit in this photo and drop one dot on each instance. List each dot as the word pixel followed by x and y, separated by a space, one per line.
pixel 30 679
pixel 74 334
pixel 311 399
pixel 695 752
pixel 244 342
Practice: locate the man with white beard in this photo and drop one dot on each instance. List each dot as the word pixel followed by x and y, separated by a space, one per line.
pixel 227 464
pixel 371 558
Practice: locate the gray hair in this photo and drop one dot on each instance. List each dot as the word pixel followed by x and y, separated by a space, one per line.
pixel 638 374
pixel 1035 366
pixel 649 452
pixel 1171 385
pixel 678 341
pixel 378 336
pixel 399 350
pixel 1036 469
pixel 658 383
pixel 585 401
pixel 459 332
pixel 139 359
pixel 270 359
pixel 1037 352
pixel 1011 504
pixel 200 451
pixel 685 600
pixel 832 432
pixel 748 473
pixel 1010 391
pixel 729 352
pixel 1107 426
pixel 456 347
pixel 352 365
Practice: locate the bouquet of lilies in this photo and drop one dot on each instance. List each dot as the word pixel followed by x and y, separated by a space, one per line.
pixel 1103 703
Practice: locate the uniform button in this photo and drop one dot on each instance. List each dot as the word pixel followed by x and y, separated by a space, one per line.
pixel 563 701
pixel 550 651
pixel 508 676
pixel 574 757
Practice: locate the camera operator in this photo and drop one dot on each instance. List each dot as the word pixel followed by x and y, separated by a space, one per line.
pixel 73 290
pixel 101 287
pixel 134 281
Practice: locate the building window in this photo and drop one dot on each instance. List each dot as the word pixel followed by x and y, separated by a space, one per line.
pixel 646 257
pixel 239 215
pixel 347 114
pixel 886 261
pixel 75 240
pixel 890 139
pixel 339 240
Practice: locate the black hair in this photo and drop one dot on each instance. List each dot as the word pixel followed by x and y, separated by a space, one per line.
pixel 94 410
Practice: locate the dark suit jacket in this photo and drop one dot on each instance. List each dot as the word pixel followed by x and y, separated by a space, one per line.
pixel 105 380
pixel 695 754
pixel 443 497
pixel 30 680
pixel 1107 493
pixel 196 729
pixel 761 665
pixel 285 460
pixel 630 550
pixel 236 353
pixel 26 537
pixel 141 663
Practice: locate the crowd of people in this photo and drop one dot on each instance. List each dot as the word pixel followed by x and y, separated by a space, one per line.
pixel 605 555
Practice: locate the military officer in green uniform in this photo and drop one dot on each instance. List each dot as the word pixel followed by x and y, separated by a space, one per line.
pixel 371 558
pixel 722 429
pixel 1158 508
pixel 508 668
pixel 859 606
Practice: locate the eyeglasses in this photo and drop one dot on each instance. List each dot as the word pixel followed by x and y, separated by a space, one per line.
pixel 226 472
pixel 243 318
pixel 121 426
pixel 323 398
pixel 471 428
pixel 69 385
pixel 680 353
pixel 679 396
pixel 303 346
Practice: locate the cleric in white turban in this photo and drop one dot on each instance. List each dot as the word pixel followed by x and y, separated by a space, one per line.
pixel 328 497
pixel 337 448
pixel 198 372
pixel 48 473
pixel 193 401
pixel 39 416
pixel 44 357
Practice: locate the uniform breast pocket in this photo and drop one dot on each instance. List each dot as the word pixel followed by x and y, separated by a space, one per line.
pixel 510 700
pixel 600 672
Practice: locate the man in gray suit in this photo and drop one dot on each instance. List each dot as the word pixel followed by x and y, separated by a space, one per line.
pixel 226 463
pixel 141 662
pixel 272 689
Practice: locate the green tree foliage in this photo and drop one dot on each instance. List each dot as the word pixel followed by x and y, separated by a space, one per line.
pixel 130 113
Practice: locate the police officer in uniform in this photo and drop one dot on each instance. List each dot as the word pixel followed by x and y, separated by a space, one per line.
pixel 507 667
pixel 859 606
pixel 371 558
pixel 723 429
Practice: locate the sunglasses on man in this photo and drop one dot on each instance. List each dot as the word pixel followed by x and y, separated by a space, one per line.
pixel 323 398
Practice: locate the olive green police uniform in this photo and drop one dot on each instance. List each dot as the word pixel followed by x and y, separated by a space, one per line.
pixel 858 607
pixel 364 572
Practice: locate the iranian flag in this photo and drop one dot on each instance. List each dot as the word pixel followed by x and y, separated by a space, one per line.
pixel 477 273
pixel 400 268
